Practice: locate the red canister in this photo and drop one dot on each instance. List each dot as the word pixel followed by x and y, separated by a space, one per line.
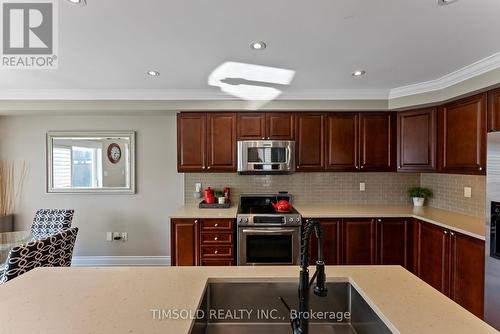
pixel 209 195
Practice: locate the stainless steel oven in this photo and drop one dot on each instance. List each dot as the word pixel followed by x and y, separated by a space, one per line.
pixel 268 245
pixel 266 156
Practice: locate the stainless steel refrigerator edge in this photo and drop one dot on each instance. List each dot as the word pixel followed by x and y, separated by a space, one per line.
pixel 492 262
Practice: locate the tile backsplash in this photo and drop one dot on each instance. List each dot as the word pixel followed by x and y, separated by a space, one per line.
pixel 449 192
pixel 323 188
pixel 343 188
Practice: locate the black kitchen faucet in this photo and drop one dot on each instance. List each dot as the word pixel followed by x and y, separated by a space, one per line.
pixel 300 320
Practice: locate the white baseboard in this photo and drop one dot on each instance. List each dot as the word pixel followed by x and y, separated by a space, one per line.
pixel 119 261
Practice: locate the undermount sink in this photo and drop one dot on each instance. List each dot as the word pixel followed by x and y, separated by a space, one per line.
pixel 255 307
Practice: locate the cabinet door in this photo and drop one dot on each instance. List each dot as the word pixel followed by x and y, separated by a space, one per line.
pixel 494 110
pixel 342 142
pixel 433 256
pixel 310 142
pixel 184 242
pixel 462 136
pixel 280 126
pixel 376 142
pixel 392 241
pixel 331 242
pixel 191 142
pixel 251 126
pixel 416 145
pixel 221 143
pixel 358 241
pixel 467 273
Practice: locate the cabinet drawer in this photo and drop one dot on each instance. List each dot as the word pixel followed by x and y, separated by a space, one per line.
pixel 216 251
pixel 216 238
pixel 217 262
pixel 217 224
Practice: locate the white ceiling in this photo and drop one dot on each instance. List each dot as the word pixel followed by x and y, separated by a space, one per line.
pixel 106 47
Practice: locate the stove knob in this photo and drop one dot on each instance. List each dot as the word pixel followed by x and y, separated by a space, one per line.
pixel 290 220
pixel 297 220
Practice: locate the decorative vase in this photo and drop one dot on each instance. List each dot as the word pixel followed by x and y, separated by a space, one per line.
pixel 418 201
pixel 7 223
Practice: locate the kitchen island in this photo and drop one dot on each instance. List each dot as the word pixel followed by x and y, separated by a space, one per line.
pixel 124 300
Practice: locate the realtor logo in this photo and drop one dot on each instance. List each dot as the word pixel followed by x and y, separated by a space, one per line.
pixel 29 34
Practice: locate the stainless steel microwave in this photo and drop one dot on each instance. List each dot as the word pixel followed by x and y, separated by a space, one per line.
pixel 266 156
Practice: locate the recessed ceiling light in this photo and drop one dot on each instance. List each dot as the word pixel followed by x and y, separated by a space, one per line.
pixel 153 73
pixel 446 2
pixel 79 2
pixel 258 45
pixel 358 73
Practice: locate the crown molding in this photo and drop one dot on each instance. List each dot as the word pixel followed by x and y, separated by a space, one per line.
pixel 213 94
pixel 465 73
pixel 183 94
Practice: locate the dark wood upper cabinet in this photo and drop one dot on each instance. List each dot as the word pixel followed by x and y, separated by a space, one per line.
pixel 191 142
pixel 342 142
pixel 494 110
pixel 331 242
pixel 467 272
pixel 416 145
pixel 280 125
pixel 221 142
pixel 433 262
pixel 462 135
pixel 310 142
pixel 392 241
pixel 358 241
pixel 377 142
pixel 251 126
pixel 184 242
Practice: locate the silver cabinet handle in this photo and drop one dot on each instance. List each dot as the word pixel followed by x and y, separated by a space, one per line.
pixel 196 221
pixel 263 138
pixel 362 166
pixel 480 168
pixel 208 167
pixel 379 220
pixel 268 138
pixel 216 238
pixel 216 252
pixel 203 167
pixel 445 232
pixel 268 231
pixel 216 225
pixel 452 233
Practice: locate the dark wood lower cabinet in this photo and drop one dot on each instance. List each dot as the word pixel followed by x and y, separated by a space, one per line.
pixel 184 242
pixel 331 242
pixel 432 260
pixel 358 241
pixel 467 272
pixel 206 242
pixel 392 241
pixel 453 263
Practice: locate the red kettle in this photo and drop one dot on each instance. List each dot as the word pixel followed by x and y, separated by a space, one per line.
pixel 282 206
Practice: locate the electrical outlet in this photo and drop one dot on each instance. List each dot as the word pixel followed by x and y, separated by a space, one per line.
pixel 468 192
pixel 117 236
pixel 362 186
pixel 197 187
pixel 124 236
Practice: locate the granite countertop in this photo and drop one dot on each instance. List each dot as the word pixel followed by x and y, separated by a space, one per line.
pixel 468 225
pixel 120 299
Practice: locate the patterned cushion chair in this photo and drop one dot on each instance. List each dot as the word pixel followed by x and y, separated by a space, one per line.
pixel 53 251
pixel 51 221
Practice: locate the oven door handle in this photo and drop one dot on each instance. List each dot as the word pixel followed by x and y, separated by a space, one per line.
pixel 268 231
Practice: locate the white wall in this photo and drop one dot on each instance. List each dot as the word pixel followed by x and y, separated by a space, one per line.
pixel 144 215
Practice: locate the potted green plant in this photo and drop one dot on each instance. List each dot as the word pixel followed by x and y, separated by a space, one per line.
pixel 419 194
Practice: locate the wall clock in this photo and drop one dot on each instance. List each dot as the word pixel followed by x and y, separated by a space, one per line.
pixel 114 153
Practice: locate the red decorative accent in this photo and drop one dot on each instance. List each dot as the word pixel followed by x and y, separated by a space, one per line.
pixel 110 156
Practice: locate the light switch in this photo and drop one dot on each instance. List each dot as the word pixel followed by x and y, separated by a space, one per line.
pixel 362 186
pixel 468 192
pixel 109 236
